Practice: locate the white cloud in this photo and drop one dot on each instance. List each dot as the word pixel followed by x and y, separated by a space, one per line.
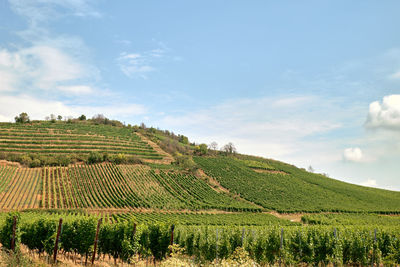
pixel 76 89
pixel 385 114
pixel 353 154
pixel 40 67
pixel 287 128
pixel 10 106
pixel 369 183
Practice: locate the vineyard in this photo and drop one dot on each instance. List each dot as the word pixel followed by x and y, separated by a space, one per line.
pixel 67 138
pixel 285 188
pixel 129 241
pixel 105 186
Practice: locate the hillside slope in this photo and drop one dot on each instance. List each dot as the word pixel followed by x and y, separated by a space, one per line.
pixel 154 180
pixel 285 188
pixel 47 138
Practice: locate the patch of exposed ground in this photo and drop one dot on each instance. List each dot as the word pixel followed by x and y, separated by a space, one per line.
pixel 293 217
pixel 167 158
pixel 270 171
pixel 9 163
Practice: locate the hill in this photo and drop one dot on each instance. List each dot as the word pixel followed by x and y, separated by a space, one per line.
pixel 99 167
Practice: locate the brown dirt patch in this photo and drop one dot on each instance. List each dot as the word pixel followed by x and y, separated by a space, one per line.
pixel 10 163
pixel 270 171
pixel 167 158
pixel 293 217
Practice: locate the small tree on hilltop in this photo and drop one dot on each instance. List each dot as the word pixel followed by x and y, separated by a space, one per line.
pixel 310 169
pixel 59 117
pixel 22 118
pixel 213 146
pixel 82 117
pixel 229 148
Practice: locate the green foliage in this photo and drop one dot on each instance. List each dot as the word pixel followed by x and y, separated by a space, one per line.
pixel 186 162
pixel 159 238
pixel 95 157
pixel 39 235
pixel 6 231
pixel 294 190
pixel 183 139
pixel 22 118
pixel 201 149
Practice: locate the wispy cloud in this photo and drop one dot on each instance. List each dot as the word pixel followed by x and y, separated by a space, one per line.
pixel 37 12
pixel 277 127
pixel 140 64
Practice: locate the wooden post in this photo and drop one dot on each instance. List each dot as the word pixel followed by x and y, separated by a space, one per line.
pixel 242 236
pixel 96 240
pixel 134 230
pixel 301 251
pixel 14 229
pixel 216 245
pixel 280 251
pixel 334 234
pixel 57 239
pixel 373 249
pixel 172 235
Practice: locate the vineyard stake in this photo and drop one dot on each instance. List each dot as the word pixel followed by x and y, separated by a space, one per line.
pixel 216 245
pixel 134 230
pixel 96 240
pixel 301 252
pixel 334 234
pixel 14 229
pixel 280 251
pixel 57 239
pixel 242 236
pixel 373 248
pixel 171 242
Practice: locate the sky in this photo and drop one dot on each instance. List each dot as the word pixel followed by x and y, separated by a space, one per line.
pixel 311 83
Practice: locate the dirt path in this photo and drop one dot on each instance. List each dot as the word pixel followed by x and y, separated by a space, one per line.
pixel 167 158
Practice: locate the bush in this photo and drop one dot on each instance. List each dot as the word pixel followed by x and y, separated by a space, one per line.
pixel 94 157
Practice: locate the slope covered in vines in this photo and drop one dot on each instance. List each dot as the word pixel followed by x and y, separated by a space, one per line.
pixel 284 187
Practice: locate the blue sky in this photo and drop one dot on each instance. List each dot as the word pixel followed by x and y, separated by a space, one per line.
pixel 310 83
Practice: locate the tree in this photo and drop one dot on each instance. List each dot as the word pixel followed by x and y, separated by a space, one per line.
pixel 52 118
pixel 201 149
pixel 82 117
pixel 310 169
pixel 229 148
pixel 213 146
pixel 59 117
pixel 183 139
pixel 22 118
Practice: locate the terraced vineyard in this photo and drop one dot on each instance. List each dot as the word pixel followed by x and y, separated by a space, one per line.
pixel 285 188
pixel 105 186
pixel 68 138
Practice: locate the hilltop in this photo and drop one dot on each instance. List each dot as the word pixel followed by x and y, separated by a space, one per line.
pixel 107 166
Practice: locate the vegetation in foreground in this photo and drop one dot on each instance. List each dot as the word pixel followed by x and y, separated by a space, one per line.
pixel 129 242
